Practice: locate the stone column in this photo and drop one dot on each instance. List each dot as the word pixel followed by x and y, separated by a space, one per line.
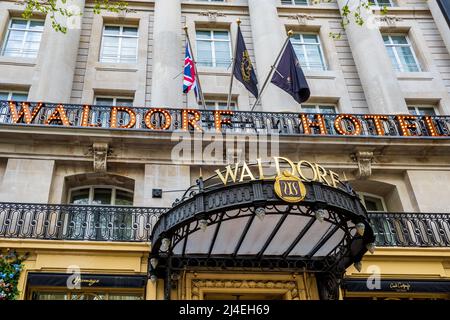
pixel 441 23
pixel 378 77
pixel 27 181
pixel 167 54
pixel 57 61
pixel 268 38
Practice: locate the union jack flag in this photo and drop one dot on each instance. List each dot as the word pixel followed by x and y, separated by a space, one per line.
pixel 190 78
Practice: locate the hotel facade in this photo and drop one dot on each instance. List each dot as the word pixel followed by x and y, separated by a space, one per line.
pixel 93 185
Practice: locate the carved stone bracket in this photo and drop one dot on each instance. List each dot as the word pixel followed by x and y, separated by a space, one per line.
pixel 100 152
pixel 364 159
pixel 212 15
pixel 302 19
pixel 390 20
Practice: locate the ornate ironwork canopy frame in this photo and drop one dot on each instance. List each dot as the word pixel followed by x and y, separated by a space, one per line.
pixel 209 206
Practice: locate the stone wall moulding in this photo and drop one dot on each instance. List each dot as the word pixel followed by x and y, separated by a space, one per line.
pixel 212 15
pixel 302 19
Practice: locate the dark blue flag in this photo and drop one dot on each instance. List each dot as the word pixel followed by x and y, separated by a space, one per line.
pixel 445 7
pixel 243 67
pixel 289 75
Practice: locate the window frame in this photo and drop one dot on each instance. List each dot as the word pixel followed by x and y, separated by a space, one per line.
pixel 27 30
pixel 362 196
pixel 422 106
pixel 233 104
pixel 114 98
pixel 376 4
pixel 292 3
pixel 120 36
pixel 317 107
pixel 12 92
pixel 394 46
pixel 213 47
pixel 303 45
pixel 91 195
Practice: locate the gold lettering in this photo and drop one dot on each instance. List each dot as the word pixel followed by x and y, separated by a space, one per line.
pixel 277 165
pixel 246 173
pixel 322 173
pixel 334 178
pixel 229 173
pixel 300 171
pixel 405 125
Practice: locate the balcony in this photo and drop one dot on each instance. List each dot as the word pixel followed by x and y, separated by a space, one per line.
pixel 237 122
pixel 135 224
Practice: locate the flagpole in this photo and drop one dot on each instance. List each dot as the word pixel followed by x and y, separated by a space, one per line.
pixel 200 91
pixel 272 68
pixel 238 21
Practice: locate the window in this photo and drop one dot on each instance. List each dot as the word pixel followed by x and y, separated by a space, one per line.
pixel 309 51
pixel 401 53
pixel 219 105
pixel 13 95
pixel 23 38
pixel 101 196
pixel 213 48
pixel 114 101
pixel 295 2
pixel 119 44
pixel 95 222
pixel 101 118
pixel 381 3
pixel 372 202
pixel 422 110
pixel 311 108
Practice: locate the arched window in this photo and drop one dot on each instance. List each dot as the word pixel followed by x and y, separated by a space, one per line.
pixel 101 195
pixel 101 211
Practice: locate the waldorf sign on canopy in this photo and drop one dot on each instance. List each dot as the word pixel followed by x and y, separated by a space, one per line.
pixel 165 119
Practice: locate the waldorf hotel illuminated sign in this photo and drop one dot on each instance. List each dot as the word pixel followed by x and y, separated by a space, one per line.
pixel 165 119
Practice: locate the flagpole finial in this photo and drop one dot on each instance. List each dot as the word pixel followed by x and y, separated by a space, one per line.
pixel 290 33
pixel 238 21
pixel 185 28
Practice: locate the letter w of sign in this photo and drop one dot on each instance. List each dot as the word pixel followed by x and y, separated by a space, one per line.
pixel 25 111
pixel 229 173
pixel 290 188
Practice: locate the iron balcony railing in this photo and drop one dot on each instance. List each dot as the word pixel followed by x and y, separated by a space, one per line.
pixel 135 224
pixel 240 122
pixel 72 222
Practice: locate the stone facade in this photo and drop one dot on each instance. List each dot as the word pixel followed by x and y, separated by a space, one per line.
pixel 39 164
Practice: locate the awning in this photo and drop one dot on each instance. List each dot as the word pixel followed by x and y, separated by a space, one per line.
pixel 86 280
pixel 398 285
pixel 247 225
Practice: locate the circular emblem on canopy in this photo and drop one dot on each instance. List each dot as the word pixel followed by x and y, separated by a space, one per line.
pixel 289 188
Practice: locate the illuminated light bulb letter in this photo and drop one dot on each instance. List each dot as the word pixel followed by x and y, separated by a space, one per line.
pixel 59 114
pixel 378 121
pixel 218 120
pixel 193 121
pixel 113 120
pixel 431 127
pixel 405 125
pixel 85 117
pixel 167 119
pixel 24 112
pixel 308 124
pixel 357 128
